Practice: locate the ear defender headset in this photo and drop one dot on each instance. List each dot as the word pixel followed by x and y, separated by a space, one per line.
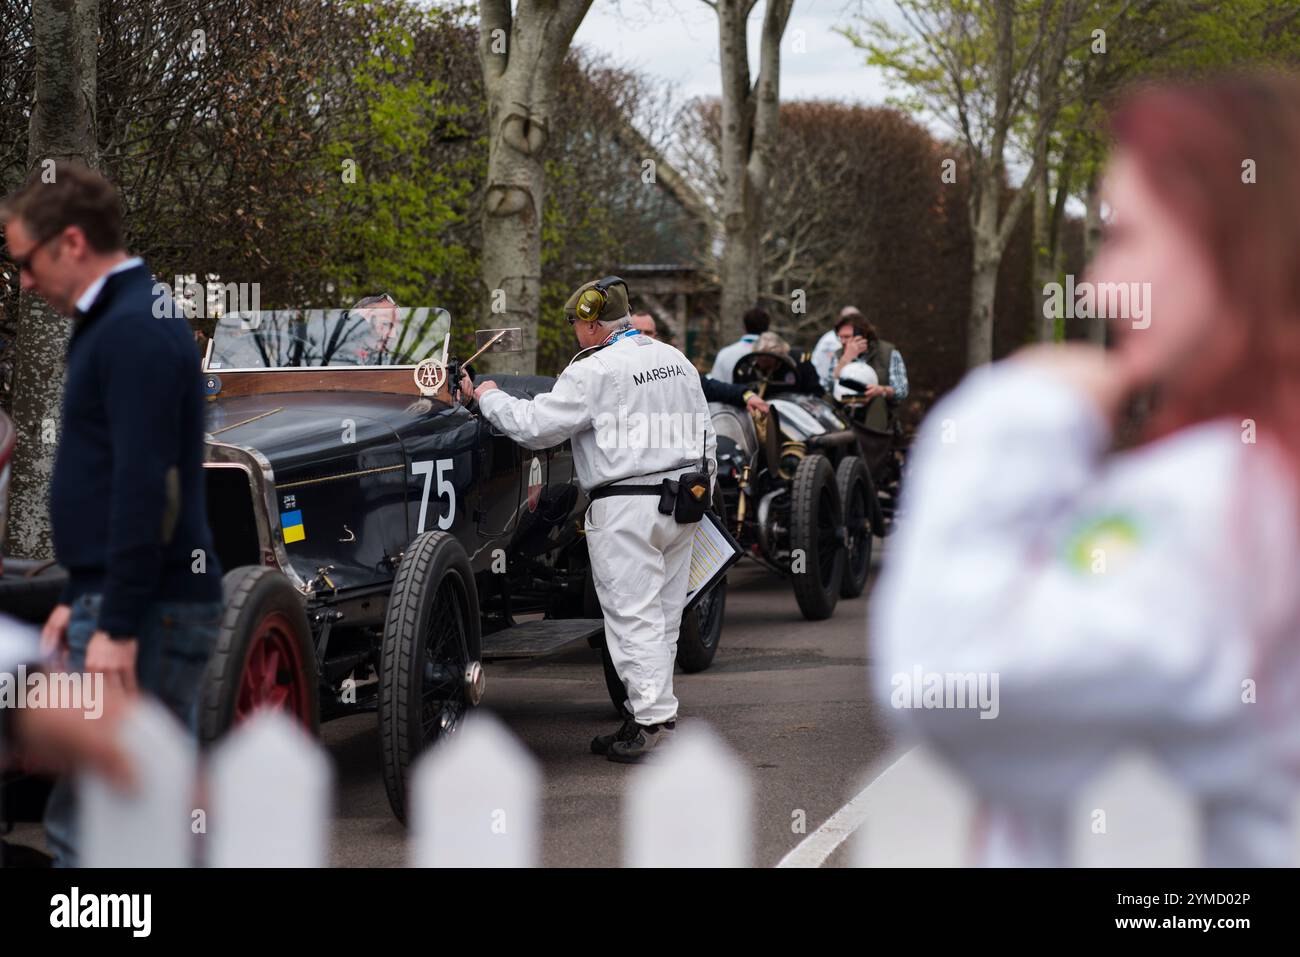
pixel 593 299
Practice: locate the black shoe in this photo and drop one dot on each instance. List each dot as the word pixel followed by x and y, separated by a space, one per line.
pixel 602 742
pixel 643 740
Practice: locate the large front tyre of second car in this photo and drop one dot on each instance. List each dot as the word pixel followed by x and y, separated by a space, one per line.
pixel 816 545
pixel 430 671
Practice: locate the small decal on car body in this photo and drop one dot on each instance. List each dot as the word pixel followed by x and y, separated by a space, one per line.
pixel 291 524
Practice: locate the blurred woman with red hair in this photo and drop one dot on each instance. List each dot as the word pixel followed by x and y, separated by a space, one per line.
pixel 1145 596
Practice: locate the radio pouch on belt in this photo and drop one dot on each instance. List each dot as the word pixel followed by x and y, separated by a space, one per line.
pixel 686 499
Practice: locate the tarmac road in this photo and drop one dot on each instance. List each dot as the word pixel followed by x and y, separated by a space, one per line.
pixel 788 695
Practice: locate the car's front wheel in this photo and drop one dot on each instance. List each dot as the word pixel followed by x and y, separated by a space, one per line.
pixel 264 657
pixel 430 673
pixel 816 548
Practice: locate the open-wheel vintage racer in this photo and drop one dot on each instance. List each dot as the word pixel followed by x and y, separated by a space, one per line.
pixel 798 486
pixel 381 541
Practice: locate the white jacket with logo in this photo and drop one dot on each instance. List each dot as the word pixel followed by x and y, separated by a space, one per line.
pixel 1146 599
pixel 634 409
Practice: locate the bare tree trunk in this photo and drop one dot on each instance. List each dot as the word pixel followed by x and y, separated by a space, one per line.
pixel 521 54
pixel 983 289
pixel 1092 240
pixel 991 227
pixel 64 34
pixel 749 125
pixel 1044 270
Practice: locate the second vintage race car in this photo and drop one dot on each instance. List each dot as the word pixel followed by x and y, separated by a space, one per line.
pixel 380 541
pixel 801 483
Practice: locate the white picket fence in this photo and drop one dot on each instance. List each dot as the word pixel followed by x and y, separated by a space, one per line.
pixel 264 799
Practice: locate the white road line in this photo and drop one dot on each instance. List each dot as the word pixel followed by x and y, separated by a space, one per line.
pixel 814 849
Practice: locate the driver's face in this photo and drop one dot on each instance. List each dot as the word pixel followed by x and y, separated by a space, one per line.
pixel 383 322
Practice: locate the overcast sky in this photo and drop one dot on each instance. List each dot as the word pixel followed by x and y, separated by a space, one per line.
pixel 678 41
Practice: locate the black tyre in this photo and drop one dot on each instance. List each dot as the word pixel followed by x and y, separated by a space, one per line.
pixel 429 669
pixel 264 656
pixel 856 495
pixel 701 631
pixel 815 529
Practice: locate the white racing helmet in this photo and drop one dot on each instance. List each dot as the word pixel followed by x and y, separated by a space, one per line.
pixel 855 378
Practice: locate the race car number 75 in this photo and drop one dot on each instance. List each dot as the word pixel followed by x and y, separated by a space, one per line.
pixel 444 488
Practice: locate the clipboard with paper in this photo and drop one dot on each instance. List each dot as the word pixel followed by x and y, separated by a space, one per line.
pixel 713 551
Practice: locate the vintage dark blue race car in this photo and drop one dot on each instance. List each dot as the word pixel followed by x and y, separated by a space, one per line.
pixel 380 540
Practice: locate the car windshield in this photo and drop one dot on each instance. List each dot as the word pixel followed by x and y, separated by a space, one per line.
pixel 380 335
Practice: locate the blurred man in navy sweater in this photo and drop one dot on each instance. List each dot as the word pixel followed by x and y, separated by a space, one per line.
pixel 127 496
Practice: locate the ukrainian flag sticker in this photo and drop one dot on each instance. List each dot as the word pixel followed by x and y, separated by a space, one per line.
pixel 291 523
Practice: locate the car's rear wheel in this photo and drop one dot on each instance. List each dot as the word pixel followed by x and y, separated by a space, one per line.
pixel 854 485
pixel 816 549
pixel 701 631
pixel 264 657
pixel 430 673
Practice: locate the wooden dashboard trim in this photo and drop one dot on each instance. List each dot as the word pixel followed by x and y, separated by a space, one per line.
pixel 398 380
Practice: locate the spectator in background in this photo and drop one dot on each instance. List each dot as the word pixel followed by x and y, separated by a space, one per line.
pixel 1129 597
pixel 127 498
pixel 857 339
pixel 756 322
pixel 828 346
pixel 714 390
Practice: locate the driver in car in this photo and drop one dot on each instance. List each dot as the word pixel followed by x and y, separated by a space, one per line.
pixel 640 557
pixel 804 374
pixel 377 339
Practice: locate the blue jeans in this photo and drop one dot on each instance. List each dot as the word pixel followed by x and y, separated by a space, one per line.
pixel 175 641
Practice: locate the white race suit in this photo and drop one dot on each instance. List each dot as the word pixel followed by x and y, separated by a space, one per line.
pixel 636 414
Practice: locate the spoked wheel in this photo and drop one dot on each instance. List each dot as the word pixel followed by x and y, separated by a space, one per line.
pixel 430 674
pixel 854 485
pixel 264 656
pixel 817 553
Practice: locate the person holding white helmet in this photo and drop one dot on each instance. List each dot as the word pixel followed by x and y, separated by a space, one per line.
pixel 854 380
pixel 636 415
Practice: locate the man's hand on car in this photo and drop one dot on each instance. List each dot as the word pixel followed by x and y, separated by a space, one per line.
pixel 114 658
pixel 54 636
pixel 755 403
pixel 467 390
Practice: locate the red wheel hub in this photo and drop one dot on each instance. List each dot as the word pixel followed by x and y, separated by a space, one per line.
pixel 273 674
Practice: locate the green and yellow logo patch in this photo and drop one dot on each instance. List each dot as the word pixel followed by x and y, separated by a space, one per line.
pixel 1102 544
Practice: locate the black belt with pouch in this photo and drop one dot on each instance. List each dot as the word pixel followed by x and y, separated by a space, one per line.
pixel 685 499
